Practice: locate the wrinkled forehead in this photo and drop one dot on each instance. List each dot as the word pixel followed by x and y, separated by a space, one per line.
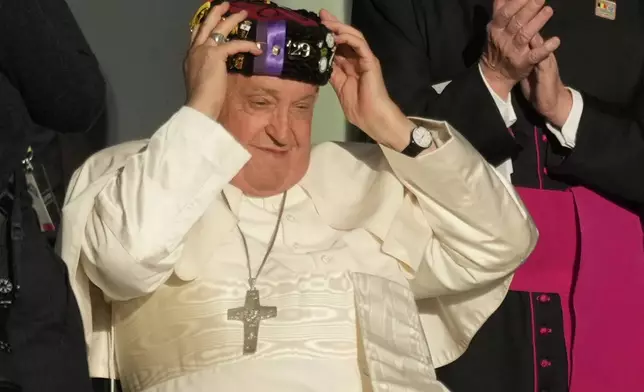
pixel 274 86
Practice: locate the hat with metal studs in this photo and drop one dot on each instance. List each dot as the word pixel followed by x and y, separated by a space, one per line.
pixel 295 45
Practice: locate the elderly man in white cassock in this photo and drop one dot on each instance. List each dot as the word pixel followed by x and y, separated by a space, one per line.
pixel 225 254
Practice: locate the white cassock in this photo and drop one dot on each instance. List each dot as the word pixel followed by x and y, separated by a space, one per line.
pixel 152 238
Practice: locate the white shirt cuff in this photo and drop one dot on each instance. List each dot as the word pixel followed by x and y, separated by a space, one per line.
pixel 504 106
pixel 567 135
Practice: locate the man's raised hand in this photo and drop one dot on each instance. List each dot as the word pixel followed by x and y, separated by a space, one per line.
pixel 205 66
pixel 508 57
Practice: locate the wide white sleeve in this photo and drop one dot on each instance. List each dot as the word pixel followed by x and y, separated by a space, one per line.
pixel 567 135
pixel 134 235
pixel 461 226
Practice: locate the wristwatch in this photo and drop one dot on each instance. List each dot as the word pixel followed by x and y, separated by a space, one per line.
pixel 420 140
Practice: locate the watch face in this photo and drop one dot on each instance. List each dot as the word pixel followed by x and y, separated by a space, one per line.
pixel 422 137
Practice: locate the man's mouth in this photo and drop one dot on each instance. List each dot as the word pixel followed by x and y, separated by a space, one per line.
pixel 273 150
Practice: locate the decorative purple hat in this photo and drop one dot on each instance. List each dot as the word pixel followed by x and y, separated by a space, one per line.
pixel 295 44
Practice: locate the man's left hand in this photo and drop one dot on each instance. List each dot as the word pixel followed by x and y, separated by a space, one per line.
pixel 545 90
pixel 357 80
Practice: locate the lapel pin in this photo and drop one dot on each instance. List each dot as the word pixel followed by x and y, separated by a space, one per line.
pixel 606 9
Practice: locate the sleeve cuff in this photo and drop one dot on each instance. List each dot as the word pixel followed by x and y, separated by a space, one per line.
pixel 443 184
pixel 214 143
pixel 504 106
pixel 567 135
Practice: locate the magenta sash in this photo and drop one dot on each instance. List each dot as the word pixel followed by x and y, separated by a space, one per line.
pixel 606 349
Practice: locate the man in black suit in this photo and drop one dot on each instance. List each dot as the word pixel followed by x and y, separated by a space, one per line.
pixel 52 98
pixel 575 123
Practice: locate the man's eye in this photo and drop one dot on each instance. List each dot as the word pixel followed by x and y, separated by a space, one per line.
pixel 259 103
pixel 303 106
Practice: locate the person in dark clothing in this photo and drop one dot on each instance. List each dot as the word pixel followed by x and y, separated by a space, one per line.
pixel 50 87
pixel 571 138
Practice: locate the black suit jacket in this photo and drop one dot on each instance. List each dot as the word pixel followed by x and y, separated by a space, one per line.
pixel 424 42
pixel 50 87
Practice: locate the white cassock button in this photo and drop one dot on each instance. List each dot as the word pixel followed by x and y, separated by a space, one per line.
pixel 290 218
pixel 296 245
pixel 326 258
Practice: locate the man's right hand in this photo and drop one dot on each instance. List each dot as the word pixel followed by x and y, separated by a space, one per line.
pixel 205 66
pixel 508 57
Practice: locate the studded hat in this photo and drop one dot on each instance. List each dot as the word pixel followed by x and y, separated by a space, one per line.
pixel 295 44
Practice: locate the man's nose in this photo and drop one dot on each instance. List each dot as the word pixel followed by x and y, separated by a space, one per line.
pixel 279 129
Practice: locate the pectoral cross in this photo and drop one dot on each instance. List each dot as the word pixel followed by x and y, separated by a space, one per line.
pixel 250 315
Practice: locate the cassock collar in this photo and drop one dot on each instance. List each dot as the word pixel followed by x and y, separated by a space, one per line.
pixel 234 197
pixel 349 189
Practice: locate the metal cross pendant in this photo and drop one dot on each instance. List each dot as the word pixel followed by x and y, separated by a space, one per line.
pixel 251 314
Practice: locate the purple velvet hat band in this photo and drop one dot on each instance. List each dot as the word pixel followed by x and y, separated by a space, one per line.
pixel 271 61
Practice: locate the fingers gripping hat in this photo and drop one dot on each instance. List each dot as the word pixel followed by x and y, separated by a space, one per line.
pixel 295 45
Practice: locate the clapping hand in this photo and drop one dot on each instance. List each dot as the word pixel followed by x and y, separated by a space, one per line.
pixel 544 89
pixel 509 57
